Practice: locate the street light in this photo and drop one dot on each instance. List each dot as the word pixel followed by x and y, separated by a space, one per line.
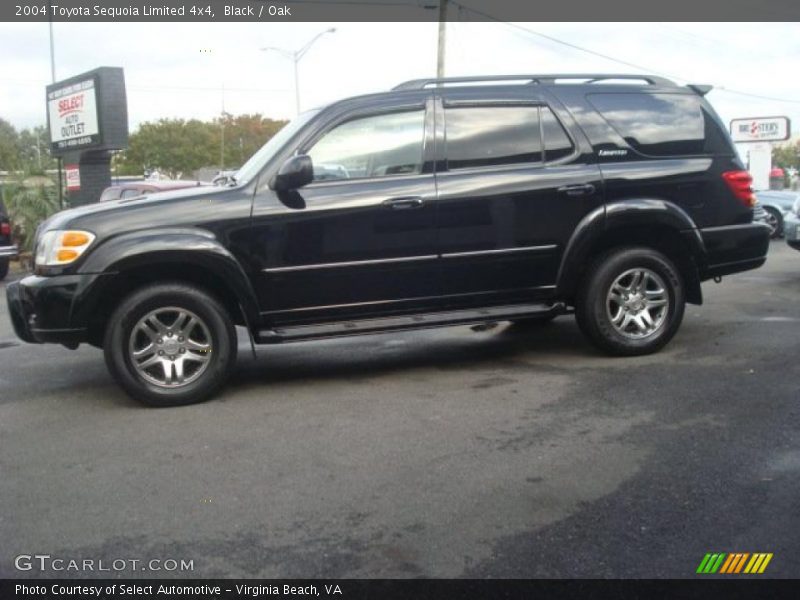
pixel 295 56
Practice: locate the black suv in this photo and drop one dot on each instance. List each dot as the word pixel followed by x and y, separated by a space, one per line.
pixel 7 249
pixel 440 202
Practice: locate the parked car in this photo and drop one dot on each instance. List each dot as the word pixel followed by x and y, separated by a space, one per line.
pixel 143 188
pixel 777 204
pixel 441 202
pixel 791 226
pixel 7 249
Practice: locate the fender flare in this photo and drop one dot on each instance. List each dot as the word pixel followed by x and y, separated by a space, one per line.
pixel 173 246
pixel 643 212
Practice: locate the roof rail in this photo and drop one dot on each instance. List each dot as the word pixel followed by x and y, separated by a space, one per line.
pixel 550 78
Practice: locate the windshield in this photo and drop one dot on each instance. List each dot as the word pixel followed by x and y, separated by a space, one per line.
pixel 252 167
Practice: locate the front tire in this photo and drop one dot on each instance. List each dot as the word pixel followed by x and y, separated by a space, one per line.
pixel 170 345
pixel 632 302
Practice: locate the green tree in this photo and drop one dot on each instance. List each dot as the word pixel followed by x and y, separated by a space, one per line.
pixel 244 135
pixel 177 147
pixel 173 146
pixel 786 155
pixel 27 207
pixel 9 139
pixel 33 150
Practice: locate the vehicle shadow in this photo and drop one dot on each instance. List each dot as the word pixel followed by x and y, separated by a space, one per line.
pixel 458 348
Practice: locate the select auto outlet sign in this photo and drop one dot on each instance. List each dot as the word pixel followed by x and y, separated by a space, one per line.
pixel 72 112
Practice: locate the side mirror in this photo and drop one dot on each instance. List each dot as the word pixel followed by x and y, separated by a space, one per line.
pixel 293 174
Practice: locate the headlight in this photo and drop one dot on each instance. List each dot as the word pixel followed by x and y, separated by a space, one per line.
pixel 57 248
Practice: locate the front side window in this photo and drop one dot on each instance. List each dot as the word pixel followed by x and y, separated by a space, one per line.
pixel 483 136
pixel 374 146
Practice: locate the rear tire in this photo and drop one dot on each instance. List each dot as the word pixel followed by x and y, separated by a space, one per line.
pixel 631 302
pixel 170 345
pixel 3 268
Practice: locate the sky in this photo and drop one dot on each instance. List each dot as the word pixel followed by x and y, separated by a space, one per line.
pixel 181 69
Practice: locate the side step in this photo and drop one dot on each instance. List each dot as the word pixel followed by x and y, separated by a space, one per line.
pixel 396 323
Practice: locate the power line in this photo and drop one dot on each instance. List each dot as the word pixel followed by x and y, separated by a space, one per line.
pixel 614 59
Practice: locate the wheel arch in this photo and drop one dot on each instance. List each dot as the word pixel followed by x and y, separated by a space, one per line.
pixel 654 223
pixel 131 262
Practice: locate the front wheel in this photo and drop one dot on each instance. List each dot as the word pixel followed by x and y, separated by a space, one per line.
pixel 632 302
pixel 170 345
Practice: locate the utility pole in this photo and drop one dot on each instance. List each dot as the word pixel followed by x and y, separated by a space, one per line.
pixel 440 50
pixel 222 131
pixel 53 80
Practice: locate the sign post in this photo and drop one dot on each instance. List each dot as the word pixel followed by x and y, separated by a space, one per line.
pixel 759 133
pixel 87 116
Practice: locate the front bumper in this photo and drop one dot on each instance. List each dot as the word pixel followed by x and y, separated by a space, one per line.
pixel 734 248
pixel 791 230
pixel 41 309
pixel 8 251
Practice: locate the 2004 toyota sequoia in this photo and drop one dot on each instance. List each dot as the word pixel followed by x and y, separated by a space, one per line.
pixel 440 202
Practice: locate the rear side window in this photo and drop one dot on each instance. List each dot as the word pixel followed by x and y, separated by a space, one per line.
pixel 655 124
pixel 557 144
pixel 482 136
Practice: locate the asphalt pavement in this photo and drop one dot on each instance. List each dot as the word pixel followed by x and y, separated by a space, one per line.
pixel 511 452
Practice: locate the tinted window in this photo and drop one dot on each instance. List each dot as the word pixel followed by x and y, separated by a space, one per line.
pixel 556 141
pixel 655 124
pixel 376 146
pixel 111 193
pixel 492 135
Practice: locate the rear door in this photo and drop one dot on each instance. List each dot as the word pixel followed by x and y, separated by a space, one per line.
pixel 513 183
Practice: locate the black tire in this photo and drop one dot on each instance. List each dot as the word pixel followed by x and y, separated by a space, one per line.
pixel 594 306
pixel 212 321
pixel 775 222
pixel 3 267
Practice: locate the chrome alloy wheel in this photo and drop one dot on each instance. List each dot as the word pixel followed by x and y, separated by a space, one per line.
pixel 638 303
pixel 170 347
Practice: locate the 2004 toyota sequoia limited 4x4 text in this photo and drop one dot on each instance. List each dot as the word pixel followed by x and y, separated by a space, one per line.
pixel 441 202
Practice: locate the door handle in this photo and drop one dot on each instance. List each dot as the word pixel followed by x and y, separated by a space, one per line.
pixel 404 202
pixel 581 189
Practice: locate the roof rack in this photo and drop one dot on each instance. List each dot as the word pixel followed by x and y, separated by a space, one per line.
pixel 549 79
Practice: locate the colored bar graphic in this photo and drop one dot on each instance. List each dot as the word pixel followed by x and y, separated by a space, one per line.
pixel 734 562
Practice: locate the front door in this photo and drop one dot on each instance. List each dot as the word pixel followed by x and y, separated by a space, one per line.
pixel 362 238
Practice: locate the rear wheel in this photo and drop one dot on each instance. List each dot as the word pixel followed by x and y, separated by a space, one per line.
pixel 3 268
pixel 632 302
pixel 170 344
pixel 775 221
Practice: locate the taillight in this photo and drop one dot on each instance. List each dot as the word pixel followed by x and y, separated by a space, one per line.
pixel 741 184
pixel 5 229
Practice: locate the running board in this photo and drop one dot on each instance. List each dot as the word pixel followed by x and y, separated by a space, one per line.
pixel 396 323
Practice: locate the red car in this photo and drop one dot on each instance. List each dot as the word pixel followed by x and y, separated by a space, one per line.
pixel 143 188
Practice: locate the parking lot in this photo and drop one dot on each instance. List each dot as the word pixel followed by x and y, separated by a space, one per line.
pixel 511 452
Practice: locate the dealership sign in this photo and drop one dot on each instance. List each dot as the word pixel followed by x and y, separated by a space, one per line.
pixel 73 116
pixel 760 129
pixel 88 112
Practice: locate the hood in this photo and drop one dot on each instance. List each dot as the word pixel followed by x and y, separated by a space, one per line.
pixel 154 203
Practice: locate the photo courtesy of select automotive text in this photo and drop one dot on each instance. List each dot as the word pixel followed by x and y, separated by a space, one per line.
pixel 399 299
